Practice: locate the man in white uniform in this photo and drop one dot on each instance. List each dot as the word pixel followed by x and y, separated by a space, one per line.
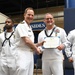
pixel 24 44
pixel 70 50
pixel 7 59
pixel 52 58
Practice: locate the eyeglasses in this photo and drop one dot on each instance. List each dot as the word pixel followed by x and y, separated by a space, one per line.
pixel 48 18
pixel 7 21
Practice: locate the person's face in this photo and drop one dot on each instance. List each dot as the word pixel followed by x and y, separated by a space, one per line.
pixel 49 20
pixel 29 16
pixel 8 24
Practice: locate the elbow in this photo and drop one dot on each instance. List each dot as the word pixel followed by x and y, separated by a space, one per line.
pixel 27 42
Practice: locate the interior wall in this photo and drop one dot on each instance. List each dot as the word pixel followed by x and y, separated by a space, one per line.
pixel 57 12
pixel 2 21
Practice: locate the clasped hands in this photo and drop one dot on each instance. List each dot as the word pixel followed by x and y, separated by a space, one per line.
pixel 38 49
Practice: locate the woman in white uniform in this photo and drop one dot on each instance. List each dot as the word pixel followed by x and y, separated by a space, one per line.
pixel 7 59
pixel 52 58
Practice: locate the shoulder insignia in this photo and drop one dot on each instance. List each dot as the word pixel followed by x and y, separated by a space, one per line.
pixel 21 22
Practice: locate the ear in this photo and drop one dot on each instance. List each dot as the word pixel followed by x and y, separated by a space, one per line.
pixel 24 14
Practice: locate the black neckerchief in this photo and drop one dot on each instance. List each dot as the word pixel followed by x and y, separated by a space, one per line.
pixel 51 32
pixel 7 38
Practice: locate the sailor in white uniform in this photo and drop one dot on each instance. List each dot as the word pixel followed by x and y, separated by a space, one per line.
pixel 52 58
pixel 7 59
pixel 70 50
pixel 24 44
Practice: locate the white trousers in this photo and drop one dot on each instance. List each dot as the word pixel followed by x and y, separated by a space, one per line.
pixel 54 67
pixel 7 66
pixel 25 63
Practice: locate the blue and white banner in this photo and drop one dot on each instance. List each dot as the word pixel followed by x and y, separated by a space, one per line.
pixel 36 26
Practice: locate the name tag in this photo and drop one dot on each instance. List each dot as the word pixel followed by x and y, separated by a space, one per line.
pixel 51 42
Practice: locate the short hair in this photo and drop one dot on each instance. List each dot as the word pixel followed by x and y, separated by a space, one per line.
pixel 29 8
pixel 49 14
pixel 10 19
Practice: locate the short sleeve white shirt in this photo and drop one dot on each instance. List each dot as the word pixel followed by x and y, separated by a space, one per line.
pixel 53 53
pixel 23 30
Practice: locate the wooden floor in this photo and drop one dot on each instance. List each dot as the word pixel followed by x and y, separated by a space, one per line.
pixel 39 72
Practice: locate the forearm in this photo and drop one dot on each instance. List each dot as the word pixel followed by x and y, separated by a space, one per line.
pixel 29 43
pixel 68 52
pixel 32 45
pixel 40 43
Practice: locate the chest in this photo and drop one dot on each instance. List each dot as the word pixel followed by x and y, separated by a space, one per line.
pixel 6 37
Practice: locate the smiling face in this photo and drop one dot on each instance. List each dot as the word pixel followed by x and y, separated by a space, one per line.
pixel 49 20
pixel 29 16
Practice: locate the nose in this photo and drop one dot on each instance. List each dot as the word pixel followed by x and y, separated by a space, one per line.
pixel 31 16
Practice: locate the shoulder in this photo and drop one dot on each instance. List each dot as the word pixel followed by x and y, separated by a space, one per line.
pixel 72 31
pixel 22 22
pixel 42 32
pixel 1 35
pixel 20 25
pixel 60 29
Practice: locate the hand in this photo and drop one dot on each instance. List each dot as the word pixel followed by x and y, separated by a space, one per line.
pixel 70 59
pixel 38 51
pixel 40 43
pixel 61 47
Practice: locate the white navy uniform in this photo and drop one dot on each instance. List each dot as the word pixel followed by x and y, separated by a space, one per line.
pixel 52 59
pixel 25 63
pixel 70 50
pixel 7 55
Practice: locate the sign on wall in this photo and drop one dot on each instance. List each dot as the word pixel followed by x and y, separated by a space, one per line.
pixel 37 26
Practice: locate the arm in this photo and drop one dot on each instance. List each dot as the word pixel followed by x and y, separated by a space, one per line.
pixel 41 40
pixel 24 35
pixel 61 47
pixel 63 39
pixel 68 50
pixel 31 44
pixel 0 45
pixel 39 43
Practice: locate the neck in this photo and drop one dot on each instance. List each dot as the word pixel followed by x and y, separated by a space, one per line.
pixel 49 27
pixel 27 23
pixel 9 30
